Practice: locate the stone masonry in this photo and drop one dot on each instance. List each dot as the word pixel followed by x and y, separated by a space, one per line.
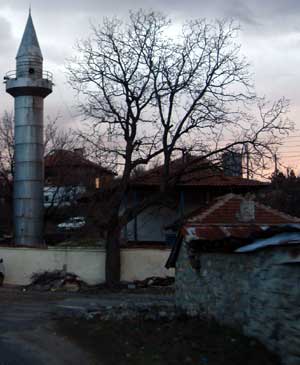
pixel 257 293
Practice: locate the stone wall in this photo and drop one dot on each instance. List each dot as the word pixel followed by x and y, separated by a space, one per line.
pixel 257 293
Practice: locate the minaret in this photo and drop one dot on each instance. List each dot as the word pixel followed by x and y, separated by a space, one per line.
pixel 29 85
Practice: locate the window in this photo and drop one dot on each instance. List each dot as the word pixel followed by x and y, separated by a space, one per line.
pixel 170 239
pixel 97 183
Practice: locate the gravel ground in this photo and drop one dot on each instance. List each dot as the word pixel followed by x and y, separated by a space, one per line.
pixel 34 331
pixel 177 342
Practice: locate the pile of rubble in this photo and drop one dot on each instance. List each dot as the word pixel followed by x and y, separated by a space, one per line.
pixel 61 280
pixel 55 280
pixel 117 312
pixel 154 281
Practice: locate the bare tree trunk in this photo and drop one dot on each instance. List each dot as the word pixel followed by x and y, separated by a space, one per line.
pixel 113 261
pixel 190 90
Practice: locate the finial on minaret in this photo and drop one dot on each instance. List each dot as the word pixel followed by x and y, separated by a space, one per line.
pixel 29 8
pixel 29 45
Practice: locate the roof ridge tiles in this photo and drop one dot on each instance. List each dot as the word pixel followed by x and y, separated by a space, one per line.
pixel 222 201
pixel 219 202
pixel 277 212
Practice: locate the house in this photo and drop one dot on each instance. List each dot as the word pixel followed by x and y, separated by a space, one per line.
pixel 69 174
pixel 238 261
pixel 194 182
pixel 62 196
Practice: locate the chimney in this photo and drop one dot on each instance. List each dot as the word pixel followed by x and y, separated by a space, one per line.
pixel 246 213
pixel 232 163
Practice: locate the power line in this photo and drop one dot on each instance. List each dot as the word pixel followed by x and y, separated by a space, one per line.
pixel 288 157
pixel 292 151
pixel 290 144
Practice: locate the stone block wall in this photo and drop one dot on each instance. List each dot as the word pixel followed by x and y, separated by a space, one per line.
pixel 257 293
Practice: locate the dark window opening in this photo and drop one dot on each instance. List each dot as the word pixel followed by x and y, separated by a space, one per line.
pixel 31 70
pixel 170 238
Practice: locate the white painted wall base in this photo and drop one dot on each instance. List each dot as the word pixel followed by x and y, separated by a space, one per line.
pixel 141 263
pixel 87 263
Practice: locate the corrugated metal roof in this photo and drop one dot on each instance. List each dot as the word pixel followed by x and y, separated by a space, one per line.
pixel 217 233
pixel 285 238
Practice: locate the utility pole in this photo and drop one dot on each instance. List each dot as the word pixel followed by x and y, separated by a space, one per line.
pixel 276 164
pixel 247 161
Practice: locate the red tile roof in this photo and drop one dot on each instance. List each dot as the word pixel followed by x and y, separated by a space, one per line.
pixel 222 219
pixel 194 172
pixel 218 228
pixel 225 210
pixel 62 158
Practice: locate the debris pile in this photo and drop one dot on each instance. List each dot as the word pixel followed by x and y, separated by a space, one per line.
pixel 154 281
pixel 61 280
pixel 55 280
pixel 118 312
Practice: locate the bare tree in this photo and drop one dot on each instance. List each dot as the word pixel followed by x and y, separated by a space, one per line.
pixel 150 93
pixel 58 139
pixel 6 147
pixel 55 138
pixel 6 167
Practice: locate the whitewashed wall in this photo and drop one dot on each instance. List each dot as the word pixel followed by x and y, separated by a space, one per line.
pixel 139 263
pixel 87 263
pixel 152 222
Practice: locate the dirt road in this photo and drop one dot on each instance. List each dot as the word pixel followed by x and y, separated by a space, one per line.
pixel 28 325
pixel 28 333
pixel 35 331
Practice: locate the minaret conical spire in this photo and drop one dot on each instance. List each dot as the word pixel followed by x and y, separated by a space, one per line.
pixel 29 85
pixel 29 46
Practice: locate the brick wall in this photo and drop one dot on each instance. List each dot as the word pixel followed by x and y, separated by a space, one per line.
pixel 257 293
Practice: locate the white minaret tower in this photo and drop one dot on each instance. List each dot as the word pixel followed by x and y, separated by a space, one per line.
pixel 29 85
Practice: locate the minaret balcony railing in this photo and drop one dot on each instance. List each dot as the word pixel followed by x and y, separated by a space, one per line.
pixel 12 75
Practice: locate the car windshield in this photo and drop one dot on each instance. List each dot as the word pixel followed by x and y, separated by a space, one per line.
pixel 76 219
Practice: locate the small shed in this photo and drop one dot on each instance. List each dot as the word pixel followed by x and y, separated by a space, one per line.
pixel 238 261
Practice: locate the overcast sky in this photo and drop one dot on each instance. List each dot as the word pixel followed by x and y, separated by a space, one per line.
pixel 270 40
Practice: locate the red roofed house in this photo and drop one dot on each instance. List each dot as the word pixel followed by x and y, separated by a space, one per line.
pixel 238 261
pixel 68 174
pixel 231 222
pixel 195 183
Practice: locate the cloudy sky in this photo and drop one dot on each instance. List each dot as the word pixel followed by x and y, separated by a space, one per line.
pixel 270 38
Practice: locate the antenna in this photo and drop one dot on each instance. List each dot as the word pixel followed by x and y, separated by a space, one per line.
pixel 247 161
pixel 29 8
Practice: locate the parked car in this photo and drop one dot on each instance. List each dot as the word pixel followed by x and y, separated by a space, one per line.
pixel 72 223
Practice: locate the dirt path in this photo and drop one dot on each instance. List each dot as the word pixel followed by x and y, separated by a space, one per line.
pixel 28 325
pixel 28 333
pixel 35 331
